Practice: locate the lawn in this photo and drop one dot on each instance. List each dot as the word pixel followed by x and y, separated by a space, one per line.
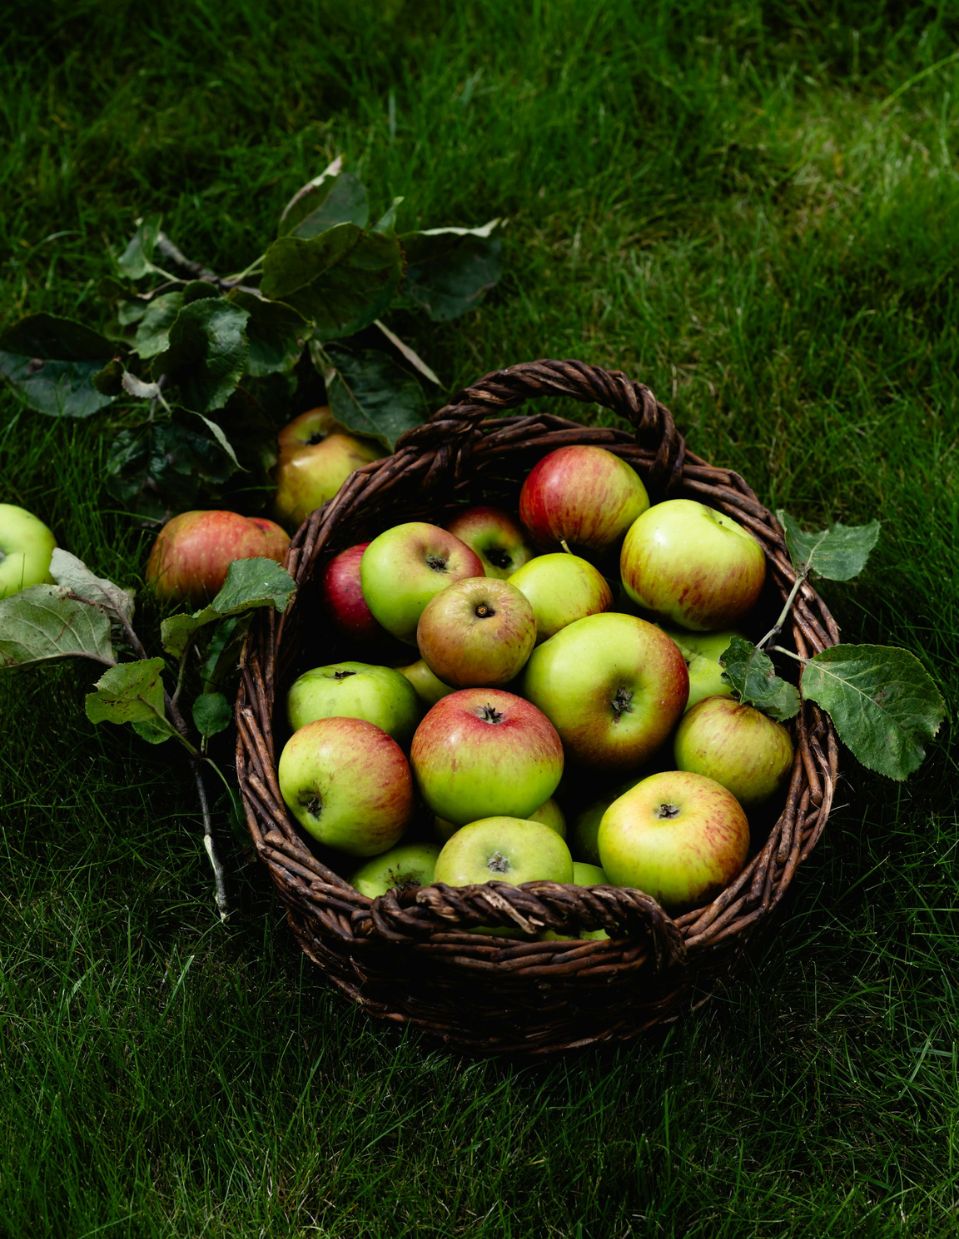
pixel 750 207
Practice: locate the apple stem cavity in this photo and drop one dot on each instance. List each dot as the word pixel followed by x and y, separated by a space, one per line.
pixel 489 714
pixel 313 806
pixel 436 562
pixel 342 675
pixel 667 811
pixel 498 863
pixel 499 558
pixel 484 610
pixel 622 703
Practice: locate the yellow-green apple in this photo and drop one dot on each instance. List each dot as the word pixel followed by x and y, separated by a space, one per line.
pixel 501 848
pixel 702 651
pixel 549 814
pixel 613 685
pixel 315 456
pixel 738 746
pixel 192 553
pixel 582 495
pixel 678 836
pixel 405 565
pixel 495 537
pixel 341 593
pixel 407 864
pixel 355 690
pixel 561 587
pixel 26 545
pixel 689 563
pixel 483 752
pixel 476 631
pixel 348 784
pixel 429 687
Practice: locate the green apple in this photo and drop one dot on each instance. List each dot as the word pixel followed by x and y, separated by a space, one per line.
pixel 429 687
pixel 405 565
pixel 561 587
pixel 495 537
pixel 691 564
pixel 549 813
pixel 484 752
pixel 613 685
pixel 737 745
pixel 702 651
pixel 476 631
pixel 678 836
pixel 585 874
pixel 315 456
pixel 503 849
pixel 407 864
pixel 26 545
pixel 348 784
pixel 355 690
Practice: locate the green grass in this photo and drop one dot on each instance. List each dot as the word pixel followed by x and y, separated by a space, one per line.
pixel 750 207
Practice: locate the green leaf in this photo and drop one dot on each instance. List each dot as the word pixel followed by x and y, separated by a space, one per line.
pixel 340 281
pixel 324 203
pixel 753 679
pixel 249 583
pixel 838 553
pixel 153 332
pixel 882 700
pixel 51 363
pixel 212 713
pixel 450 270
pixel 48 622
pixel 223 651
pixel 371 395
pixel 387 221
pixel 207 353
pixel 276 333
pixel 136 260
pixel 74 575
pixel 132 693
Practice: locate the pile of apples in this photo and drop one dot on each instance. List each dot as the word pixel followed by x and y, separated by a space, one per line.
pixel 511 667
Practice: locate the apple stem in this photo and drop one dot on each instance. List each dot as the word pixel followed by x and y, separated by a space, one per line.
pixel 787 607
pixel 781 649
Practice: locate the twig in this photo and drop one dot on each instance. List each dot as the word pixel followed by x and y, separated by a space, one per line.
pixel 219 887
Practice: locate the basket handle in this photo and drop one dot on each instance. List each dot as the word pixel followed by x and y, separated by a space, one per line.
pixel 417 913
pixel 459 422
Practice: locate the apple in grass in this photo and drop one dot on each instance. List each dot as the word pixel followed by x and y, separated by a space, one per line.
pixel 26 547
pixel 582 495
pixel 380 695
pixel 501 848
pixel 678 836
pixel 561 588
pixel 692 565
pixel 348 784
pixel 405 565
pixel 315 456
pixel 407 864
pixel 476 631
pixel 613 685
pixel 495 536
pixel 745 750
pixel 484 752
pixel 192 553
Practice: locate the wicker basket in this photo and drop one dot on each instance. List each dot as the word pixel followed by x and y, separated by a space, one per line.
pixel 410 956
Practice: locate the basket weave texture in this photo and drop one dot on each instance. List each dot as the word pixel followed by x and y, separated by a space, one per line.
pixel 411 955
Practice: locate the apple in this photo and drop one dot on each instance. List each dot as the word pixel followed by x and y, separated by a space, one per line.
pixel 745 750
pixel 405 565
pixel 26 545
pixel 561 587
pixel 483 752
pixel 585 874
pixel 407 864
pixel 548 813
pixel 678 836
pixel 584 496
pixel 341 593
pixel 429 687
pixel 355 690
pixel 613 685
pixel 495 537
pixel 348 784
pixel 315 456
pixel 192 553
pixel 585 829
pixel 501 848
pixel 702 651
pixel 688 563
pixel 479 630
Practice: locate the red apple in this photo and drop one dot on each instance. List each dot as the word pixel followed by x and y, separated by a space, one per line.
pixel 341 592
pixel 192 553
pixel 315 456
pixel 476 631
pixel 582 495
pixel 483 752
pixel 495 537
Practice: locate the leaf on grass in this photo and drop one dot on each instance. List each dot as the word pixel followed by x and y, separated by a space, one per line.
pixel 371 395
pixel 410 354
pixel 450 270
pixel 136 260
pixel 275 333
pixel 71 572
pixel 212 713
pixel 153 330
pixel 387 221
pixel 250 583
pixel 340 280
pixel 325 202
pixel 882 700
pixel 753 679
pixel 206 354
pixel 837 554
pixel 48 622
pixel 132 693
pixel 51 363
